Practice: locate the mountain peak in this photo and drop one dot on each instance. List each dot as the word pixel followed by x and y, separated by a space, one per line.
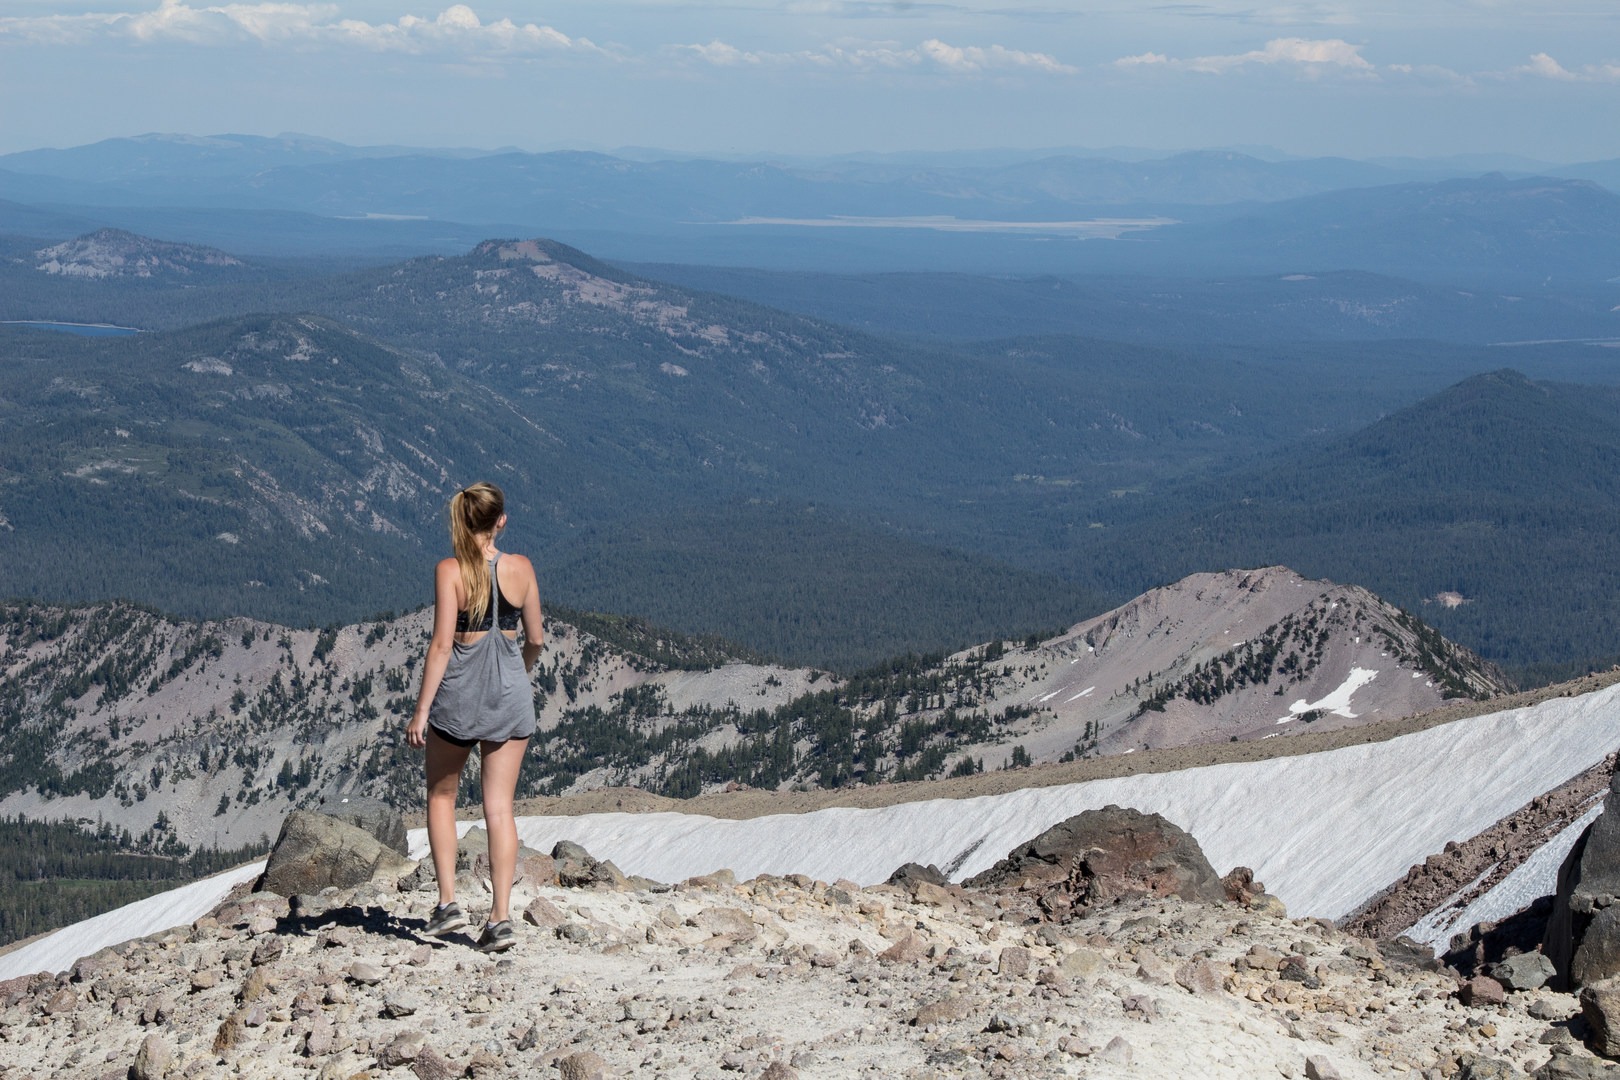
pixel 114 253
pixel 540 252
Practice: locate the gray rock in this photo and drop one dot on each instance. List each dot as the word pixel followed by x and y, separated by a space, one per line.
pixel 1480 1067
pixel 315 851
pixel 365 973
pixel 585 1065
pixel 1573 1067
pixel 1588 884
pixel 152 1060
pixel 1118 1051
pixel 402 1049
pixel 397 1006
pixel 1547 1009
pixel 911 873
pixel 1600 1006
pixel 1013 962
pixel 1320 1068
pixel 1202 976
pixel 1526 971
pixel 575 867
pixel 429 1064
pixel 374 816
pixel 267 950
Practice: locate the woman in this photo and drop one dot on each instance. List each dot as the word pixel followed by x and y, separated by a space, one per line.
pixel 475 690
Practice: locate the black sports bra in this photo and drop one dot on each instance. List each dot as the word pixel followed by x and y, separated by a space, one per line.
pixel 506 612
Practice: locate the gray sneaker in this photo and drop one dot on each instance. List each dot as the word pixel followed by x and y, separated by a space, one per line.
pixel 445 918
pixel 497 937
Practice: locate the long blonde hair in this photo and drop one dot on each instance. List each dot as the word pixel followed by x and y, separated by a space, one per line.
pixel 474 510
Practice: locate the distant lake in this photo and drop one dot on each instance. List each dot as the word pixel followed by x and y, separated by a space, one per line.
pixel 82 329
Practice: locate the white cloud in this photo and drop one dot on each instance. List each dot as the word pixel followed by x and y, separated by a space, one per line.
pixel 932 54
pixel 1543 66
pixel 455 29
pixel 1310 56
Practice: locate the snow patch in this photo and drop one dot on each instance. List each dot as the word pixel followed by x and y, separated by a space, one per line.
pixel 1338 702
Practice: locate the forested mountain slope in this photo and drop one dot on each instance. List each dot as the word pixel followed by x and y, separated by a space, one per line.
pixel 1489 509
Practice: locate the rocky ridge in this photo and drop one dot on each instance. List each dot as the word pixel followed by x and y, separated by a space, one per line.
pixel 1218 657
pixel 117 713
pixel 777 977
pixel 114 253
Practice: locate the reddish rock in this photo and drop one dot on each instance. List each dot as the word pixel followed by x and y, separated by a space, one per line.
pixel 1481 990
pixel 1105 855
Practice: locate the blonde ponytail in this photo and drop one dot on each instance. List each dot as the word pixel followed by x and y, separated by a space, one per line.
pixel 474 511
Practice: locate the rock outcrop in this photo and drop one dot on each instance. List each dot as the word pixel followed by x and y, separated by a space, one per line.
pixel 1104 855
pixel 1583 932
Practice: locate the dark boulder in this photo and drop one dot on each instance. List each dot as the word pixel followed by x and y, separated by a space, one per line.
pixel 1583 932
pixel 316 851
pixel 911 874
pixel 1100 856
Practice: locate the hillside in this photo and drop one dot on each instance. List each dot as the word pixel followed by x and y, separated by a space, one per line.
pixel 1486 509
pixel 209 732
pixel 114 713
pixel 113 253
pixel 275 465
pixel 1230 656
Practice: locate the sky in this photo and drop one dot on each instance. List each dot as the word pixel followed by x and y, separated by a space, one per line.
pixel 1359 78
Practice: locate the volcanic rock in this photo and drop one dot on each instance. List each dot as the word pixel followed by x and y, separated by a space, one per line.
pixel 1104 855
pixel 1583 932
pixel 315 851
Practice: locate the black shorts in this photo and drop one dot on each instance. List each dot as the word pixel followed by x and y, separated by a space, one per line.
pixel 452 740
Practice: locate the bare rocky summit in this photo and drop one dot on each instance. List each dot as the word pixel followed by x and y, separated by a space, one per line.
pixel 775 977
pixel 1240 655
pixel 114 253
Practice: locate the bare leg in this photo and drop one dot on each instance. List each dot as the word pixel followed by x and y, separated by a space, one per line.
pixel 501 764
pixel 444 764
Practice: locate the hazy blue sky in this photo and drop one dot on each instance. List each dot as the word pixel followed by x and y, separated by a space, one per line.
pixel 1357 77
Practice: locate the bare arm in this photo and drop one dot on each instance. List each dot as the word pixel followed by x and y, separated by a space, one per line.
pixel 534 634
pixel 446 582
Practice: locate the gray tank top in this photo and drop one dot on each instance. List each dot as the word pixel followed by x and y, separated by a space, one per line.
pixel 485 694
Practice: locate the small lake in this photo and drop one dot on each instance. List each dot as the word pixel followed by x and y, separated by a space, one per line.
pixel 82 329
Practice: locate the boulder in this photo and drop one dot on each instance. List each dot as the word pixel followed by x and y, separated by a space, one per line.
pixel 373 815
pixel 1583 933
pixel 1600 1006
pixel 1526 971
pixel 1241 887
pixel 909 876
pixel 317 851
pixel 1104 855
pixel 574 865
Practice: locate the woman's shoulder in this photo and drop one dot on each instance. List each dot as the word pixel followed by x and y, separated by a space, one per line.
pixel 520 561
pixel 447 566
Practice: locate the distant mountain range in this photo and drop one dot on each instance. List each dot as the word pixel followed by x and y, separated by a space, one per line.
pixel 1208 212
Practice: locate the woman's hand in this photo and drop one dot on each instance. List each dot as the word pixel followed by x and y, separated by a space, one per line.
pixel 416 732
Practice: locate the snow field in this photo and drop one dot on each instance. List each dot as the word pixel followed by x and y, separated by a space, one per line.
pixel 1322 831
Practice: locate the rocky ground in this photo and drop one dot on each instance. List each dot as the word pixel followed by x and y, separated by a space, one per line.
pixel 775 977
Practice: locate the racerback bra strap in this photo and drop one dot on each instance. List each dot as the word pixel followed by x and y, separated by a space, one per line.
pixel 494 593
